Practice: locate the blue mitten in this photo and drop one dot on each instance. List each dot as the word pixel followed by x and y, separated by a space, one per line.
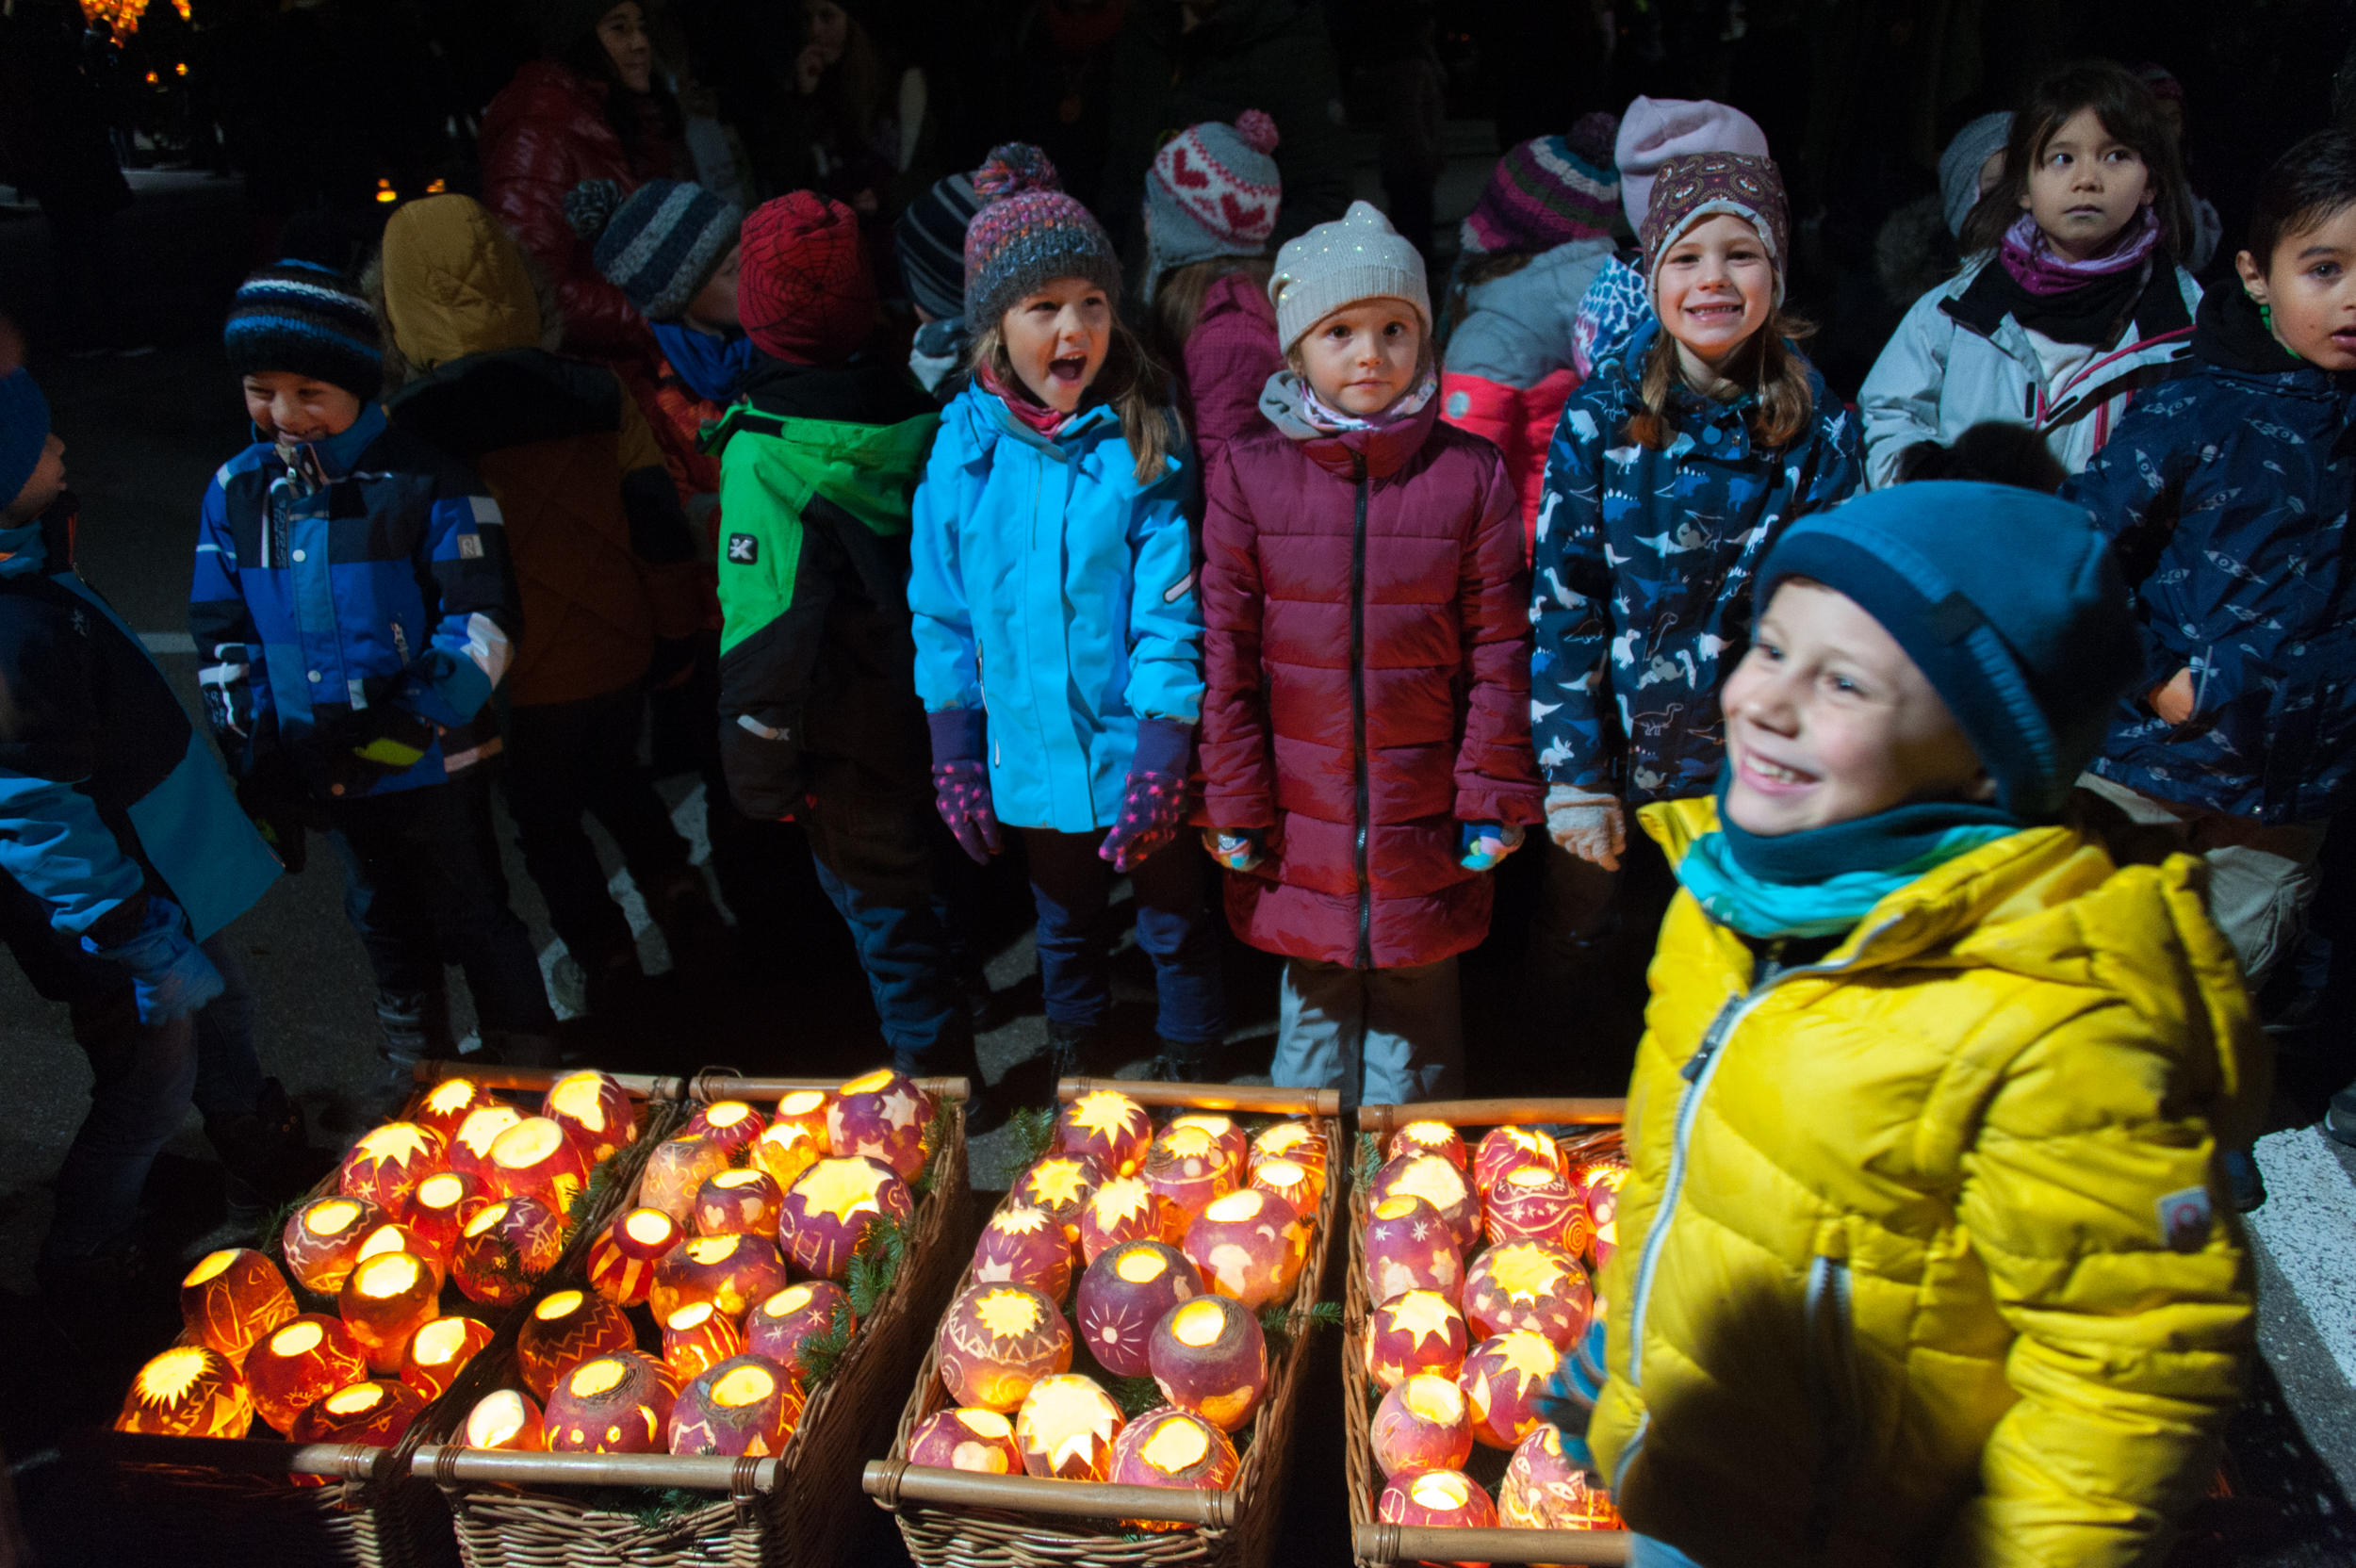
pixel 1237 848
pixel 1485 845
pixel 170 977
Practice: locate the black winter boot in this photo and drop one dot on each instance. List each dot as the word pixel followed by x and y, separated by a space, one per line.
pixel 1070 1046
pixel 266 1154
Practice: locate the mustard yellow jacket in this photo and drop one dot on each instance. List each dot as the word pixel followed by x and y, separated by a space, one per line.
pixel 1919 1260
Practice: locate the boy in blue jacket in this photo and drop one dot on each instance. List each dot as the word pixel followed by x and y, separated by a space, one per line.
pixel 352 604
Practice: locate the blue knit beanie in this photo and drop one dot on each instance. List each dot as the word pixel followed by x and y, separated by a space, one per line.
pixel 2009 603
pixel 301 316
pixel 24 432
pixel 659 244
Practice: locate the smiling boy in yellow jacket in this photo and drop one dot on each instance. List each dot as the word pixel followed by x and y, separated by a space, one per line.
pixel 1920 1261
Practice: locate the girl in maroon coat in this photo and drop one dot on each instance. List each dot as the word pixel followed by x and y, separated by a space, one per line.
pixel 1366 731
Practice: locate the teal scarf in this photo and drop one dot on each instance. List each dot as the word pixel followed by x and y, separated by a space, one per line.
pixel 1820 882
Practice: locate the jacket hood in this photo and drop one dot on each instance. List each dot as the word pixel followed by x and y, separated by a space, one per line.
pixel 856 435
pixel 1386 448
pixel 2229 334
pixel 986 421
pixel 456 282
pixel 1530 292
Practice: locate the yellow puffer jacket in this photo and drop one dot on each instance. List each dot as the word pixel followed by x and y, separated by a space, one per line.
pixel 1918 1259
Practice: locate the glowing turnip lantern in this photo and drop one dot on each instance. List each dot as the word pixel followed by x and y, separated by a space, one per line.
pixel 439 1207
pixel 1176 1449
pixel 1297 1185
pixel 1428 1138
pixel 1207 1355
pixel 615 1404
pixel 1066 1429
pixel 739 1202
pixel 563 1329
pixel 439 1350
pixel 375 1413
pixel 305 1360
pixel 505 1418
pixel 1423 1424
pixel 1296 1141
pixel 393 1237
pixel 1059 1185
pixel 996 1341
pixel 1430 1178
pixel 322 1238
pixel 1248 1244
pixel 1529 1284
pixel 1108 1129
pixel 884 1116
pixel 1233 1146
pixel 1602 1189
pixel 730 1272
pixel 1509 1149
pixel 595 1110
pixel 504 1248
pixel 830 1208
pixel 1023 1246
pixel 1502 1379
pixel 675 1170
pixel 1125 1210
pixel 1187 1166
pixel 1124 1293
pixel 386 1299
pixel 1532 1203
pixel 231 1298
pixel 387 1163
pixel 1418 1332
pixel 188 1391
pixel 448 1103
pixel 470 1146
pixel 1543 1490
pixel 965 1438
pixel 621 1261
pixel 1409 1247
pixel 742 1405
pixel 538 1158
pixel 1443 1499
pixel 697 1338
pixel 730 1123
pixel 806 1109
pixel 779 1325
pixel 785 1150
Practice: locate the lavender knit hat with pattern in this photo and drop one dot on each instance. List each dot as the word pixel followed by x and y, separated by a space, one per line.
pixel 659 244
pixel 1027 234
pixel 1213 191
pixel 1549 191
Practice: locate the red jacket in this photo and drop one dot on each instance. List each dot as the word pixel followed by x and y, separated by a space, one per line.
pixel 1368 653
pixel 1229 358
pixel 1520 420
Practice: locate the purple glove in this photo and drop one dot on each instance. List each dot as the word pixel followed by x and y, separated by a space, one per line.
pixel 961 781
pixel 1154 801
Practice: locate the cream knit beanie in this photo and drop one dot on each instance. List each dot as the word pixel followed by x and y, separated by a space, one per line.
pixel 1357 256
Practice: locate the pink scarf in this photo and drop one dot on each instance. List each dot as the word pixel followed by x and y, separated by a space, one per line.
pixel 1038 416
pixel 2042 271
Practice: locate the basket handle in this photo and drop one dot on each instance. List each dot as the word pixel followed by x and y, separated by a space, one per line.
pixel 1384 1543
pixel 1382 1121
pixel 491 1076
pixel 711 1085
pixel 447 1462
pixel 1255 1098
pixel 891 1482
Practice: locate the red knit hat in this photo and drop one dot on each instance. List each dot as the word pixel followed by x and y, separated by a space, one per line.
pixel 803 290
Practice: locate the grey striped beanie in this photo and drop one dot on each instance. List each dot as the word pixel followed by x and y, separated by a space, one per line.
pixel 659 244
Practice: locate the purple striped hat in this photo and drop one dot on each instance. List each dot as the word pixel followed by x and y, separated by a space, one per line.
pixel 1549 191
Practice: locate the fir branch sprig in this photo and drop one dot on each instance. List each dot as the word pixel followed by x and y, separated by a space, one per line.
pixel 1369 1159
pixel 875 1262
pixel 593 1192
pixel 1276 1324
pixel 821 1353
pixel 936 1138
pixel 1034 1129
pixel 1136 1395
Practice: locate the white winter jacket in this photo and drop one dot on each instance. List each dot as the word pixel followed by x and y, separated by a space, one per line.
pixel 1961 358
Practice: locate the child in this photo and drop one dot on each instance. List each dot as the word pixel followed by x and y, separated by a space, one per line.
pixel 605 569
pixel 1918 1254
pixel 1211 200
pixel 930 239
pixel 351 593
pixel 1363 590
pixel 1052 562
pixel 2073 298
pixel 1536 241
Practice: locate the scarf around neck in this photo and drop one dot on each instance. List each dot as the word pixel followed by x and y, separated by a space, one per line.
pixel 2040 268
pixel 712 368
pixel 2076 301
pixel 1048 422
pixel 1292 405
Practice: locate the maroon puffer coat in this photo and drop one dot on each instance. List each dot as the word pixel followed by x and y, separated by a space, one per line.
pixel 1367 656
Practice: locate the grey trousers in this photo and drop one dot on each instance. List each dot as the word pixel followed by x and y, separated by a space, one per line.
pixel 1383 1037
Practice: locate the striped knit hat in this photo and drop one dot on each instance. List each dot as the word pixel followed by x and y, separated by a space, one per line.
pixel 301 316
pixel 1213 191
pixel 659 244
pixel 1028 234
pixel 1549 191
pixel 931 239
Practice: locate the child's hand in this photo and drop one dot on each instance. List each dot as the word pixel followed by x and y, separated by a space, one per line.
pixel 2173 701
pixel 1485 845
pixel 961 795
pixel 1592 827
pixel 1237 848
pixel 1153 801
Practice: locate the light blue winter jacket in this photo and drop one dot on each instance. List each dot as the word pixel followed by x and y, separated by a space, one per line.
pixel 1050 588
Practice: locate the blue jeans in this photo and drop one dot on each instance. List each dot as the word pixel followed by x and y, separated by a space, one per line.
pixel 1383 1037
pixel 1072 888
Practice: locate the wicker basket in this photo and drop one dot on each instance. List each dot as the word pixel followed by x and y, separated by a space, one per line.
pixel 797 1510
pixel 958 1519
pixel 1373 1542
pixel 257 1500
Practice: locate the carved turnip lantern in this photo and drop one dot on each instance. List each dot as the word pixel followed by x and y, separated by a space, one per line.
pixel 1423 1424
pixel 996 1341
pixel 1604 1180
pixel 1543 1490
pixel 595 1110
pixel 1108 1129
pixel 231 1298
pixel 730 1123
pixel 1066 1429
pixel 730 1272
pixel 742 1405
pixel 1125 1210
pixel 504 1248
pixel 305 1360
pixel 677 1170
pixel 443 1107
pixel 1409 1247
pixel 965 1438
pixel 1027 1247
pixel 322 1238
pixel 1298 1142
pixel 505 1418
pixel 539 1158
pixel 830 1208
pixel 1509 1147
pixel 188 1391
pixel 470 1146
pixel 1418 1332
pixel 387 1163
pixel 806 1109
pixel 1297 1185
pixel 1531 1203
pixel 1248 1244
pixel 1428 1138
pixel 777 1326
pixel 1124 1293
pixel 1187 1165
pixel 1503 1380
pixel 1447 1189
pixel 375 1413
pixel 1441 1499
pixel 386 1299
pixel 1208 1356
pixel 1173 1447
pixel 882 1115
pixel 698 1337
pixel 787 1150
pixel 1060 1185
pixel 621 1261
pixel 1529 1284
pixel 439 1350
pixel 1233 1146
pixel 563 1329
pixel 739 1201
pixel 393 1237
pixel 441 1205
pixel 615 1404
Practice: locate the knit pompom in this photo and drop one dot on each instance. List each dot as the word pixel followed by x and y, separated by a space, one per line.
pixel 590 205
pixel 1593 135
pixel 1258 129
pixel 1013 167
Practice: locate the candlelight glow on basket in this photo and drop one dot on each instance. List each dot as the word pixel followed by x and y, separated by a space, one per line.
pixel 1108 1129
pixel 386 1299
pixel 321 1241
pixel 233 1297
pixel 387 1163
pixel 440 1350
pixel 882 1115
pixel 1209 1355
pixel 505 1419
pixel 188 1391
pixel 595 1110
pixel 1423 1424
pixel 563 1329
pixel 965 1438
pixel 740 1405
pixel 308 1359
pixel 830 1208
pixel 1066 1429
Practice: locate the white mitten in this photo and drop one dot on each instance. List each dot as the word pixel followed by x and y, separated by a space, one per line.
pixel 1592 827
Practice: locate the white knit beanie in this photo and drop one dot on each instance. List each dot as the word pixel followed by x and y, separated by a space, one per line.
pixel 1357 256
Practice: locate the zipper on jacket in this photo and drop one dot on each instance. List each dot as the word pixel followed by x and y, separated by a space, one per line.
pixel 1358 712
pixel 1829 1372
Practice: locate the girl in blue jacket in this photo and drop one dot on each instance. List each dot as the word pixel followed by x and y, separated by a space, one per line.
pixel 1053 589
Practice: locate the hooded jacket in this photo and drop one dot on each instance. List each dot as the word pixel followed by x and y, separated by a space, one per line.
pixel 1054 590
pixel 1919 1260
pixel 1959 357
pixel 1642 597
pixel 2228 495
pixel 818 473
pixel 1368 665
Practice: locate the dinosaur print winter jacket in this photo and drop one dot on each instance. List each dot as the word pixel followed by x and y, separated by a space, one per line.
pixel 1642 582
